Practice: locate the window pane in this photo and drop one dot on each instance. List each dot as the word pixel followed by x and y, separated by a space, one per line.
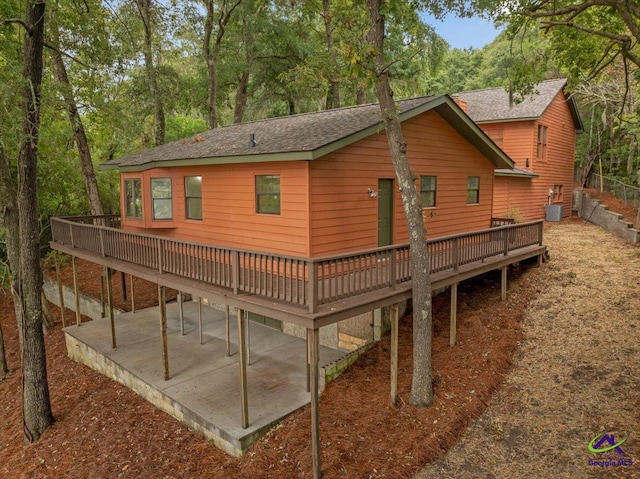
pixel 473 182
pixel 161 187
pixel 194 185
pixel 194 208
pixel 269 204
pixel 268 194
pixel 162 209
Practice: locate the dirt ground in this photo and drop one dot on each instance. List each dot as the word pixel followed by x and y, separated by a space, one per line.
pixel 559 395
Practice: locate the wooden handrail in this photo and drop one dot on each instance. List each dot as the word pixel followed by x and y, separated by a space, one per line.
pixel 308 282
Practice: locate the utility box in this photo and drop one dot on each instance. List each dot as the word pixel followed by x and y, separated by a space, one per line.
pixel 554 213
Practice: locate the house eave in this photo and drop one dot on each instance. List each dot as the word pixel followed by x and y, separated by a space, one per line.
pixel 515 174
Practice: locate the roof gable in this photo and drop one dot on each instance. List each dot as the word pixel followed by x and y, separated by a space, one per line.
pixel 492 104
pixel 302 137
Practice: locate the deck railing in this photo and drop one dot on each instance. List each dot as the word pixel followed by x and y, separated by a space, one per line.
pixel 308 282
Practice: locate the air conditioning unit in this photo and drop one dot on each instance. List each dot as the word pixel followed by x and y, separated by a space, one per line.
pixel 554 213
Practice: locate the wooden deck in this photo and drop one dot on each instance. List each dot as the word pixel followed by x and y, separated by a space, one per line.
pixel 311 292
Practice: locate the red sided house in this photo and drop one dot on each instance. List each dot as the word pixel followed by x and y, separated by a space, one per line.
pixel 539 134
pixel 298 222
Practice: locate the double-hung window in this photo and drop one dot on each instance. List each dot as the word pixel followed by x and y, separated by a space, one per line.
pixel 133 198
pixel 193 197
pixel 473 190
pixel 541 149
pixel 428 191
pixel 268 194
pixel 161 198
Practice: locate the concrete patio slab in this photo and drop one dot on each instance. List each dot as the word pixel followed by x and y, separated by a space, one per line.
pixel 204 386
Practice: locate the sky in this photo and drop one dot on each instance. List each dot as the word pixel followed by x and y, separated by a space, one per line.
pixel 463 32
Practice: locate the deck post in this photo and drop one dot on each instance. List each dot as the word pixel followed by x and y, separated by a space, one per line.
pixel 163 330
pixel 103 311
pixel 227 333
pixel 540 232
pixel 248 331
pixel 181 313
pixel 503 284
pixel 236 271
pixel 507 232
pixel 308 360
pixel 242 359
pixel 315 402
pixel 200 317
pixel 112 322
pixel 75 289
pixel 453 314
pixel 394 319
pixel 540 260
pixel 456 253
pixel 133 300
pixel 313 286
pixel 392 268
pixel 60 291
pixel 123 285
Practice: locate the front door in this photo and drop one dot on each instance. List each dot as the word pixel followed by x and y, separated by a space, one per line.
pixel 385 212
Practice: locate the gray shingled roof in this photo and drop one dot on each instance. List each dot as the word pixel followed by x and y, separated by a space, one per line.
pixel 492 104
pixel 296 133
pixel 301 137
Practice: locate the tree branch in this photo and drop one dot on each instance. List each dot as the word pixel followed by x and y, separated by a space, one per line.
pixel 9 21
pixel 71 57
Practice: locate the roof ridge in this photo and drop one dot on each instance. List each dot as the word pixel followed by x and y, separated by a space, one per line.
pixel 308 113
pixel 502 88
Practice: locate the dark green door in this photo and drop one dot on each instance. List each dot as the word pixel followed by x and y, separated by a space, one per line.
pixel 385 212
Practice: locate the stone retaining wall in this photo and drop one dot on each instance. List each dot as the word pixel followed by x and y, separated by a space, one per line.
pixel 595 212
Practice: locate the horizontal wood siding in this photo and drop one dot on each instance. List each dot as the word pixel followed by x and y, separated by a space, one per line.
pixel 228 207
pixel 528 197
pixel 343 215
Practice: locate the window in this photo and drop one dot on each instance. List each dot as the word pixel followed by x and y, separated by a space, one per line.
pixel 193 197
pixel 161 198
pixel 473 190
pixel 557 193
pixel 268 194
pixel 133 198
pixel 541 151
pixel 428 191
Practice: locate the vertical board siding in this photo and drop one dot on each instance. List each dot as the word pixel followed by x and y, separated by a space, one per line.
pixel 229 215
pixel 528 197
pixel 345 218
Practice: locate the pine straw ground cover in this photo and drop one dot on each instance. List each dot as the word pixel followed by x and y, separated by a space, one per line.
pixel 103 430
pixel 577 373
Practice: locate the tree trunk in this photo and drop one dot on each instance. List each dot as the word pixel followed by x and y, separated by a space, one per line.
pixel 421 386
pixel 333 92
pixel 11 224
pixel 241 97
pixel 212 52
pixel 144 8
pixel 631 157
pixel 361 96
pixel 243 83
pixel 84 153
pixel 36 405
